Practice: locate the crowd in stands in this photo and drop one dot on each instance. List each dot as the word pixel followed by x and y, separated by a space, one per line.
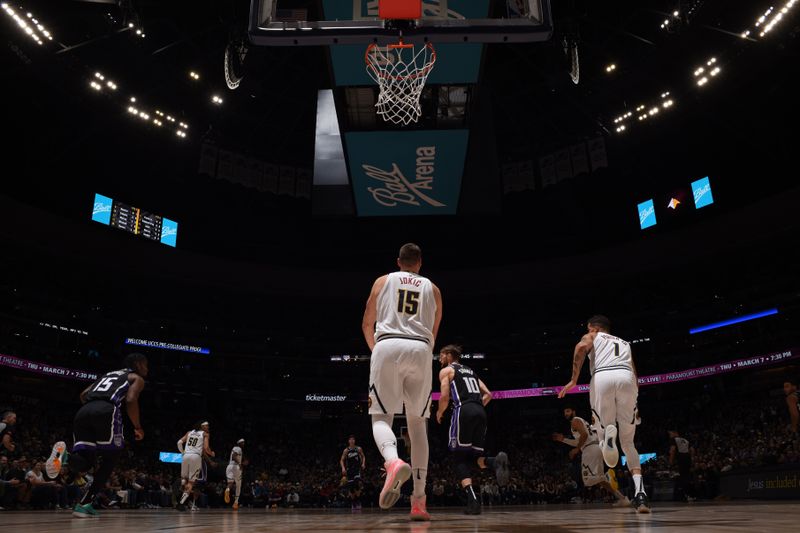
pixel 295 463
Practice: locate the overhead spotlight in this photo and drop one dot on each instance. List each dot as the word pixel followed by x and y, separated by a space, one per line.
pixel 194 75
pixel 711 61
pixel 611 67
pixel 130 24
pixel 96 86
pixel 699 71
pixel 133 98
pixel 653 111
pixel 715 71
pixel 216 99
pixel 675 14
pixel 667 104
pixel 138 32
pixel 702 81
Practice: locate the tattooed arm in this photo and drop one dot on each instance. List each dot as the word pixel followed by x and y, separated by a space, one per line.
pixel 581 350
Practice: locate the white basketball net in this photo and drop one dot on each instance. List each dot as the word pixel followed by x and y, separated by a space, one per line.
pixel 400 72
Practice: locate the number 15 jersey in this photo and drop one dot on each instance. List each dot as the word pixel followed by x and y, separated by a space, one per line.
pixel 610 353
pixel 406 308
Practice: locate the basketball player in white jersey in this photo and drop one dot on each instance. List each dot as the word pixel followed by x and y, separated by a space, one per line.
pixel 584 441
pixel 400 324
pixel 613 392
pixel 192 445
pixel 233 473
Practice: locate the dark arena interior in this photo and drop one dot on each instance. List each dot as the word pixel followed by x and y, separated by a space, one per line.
pixel 221 186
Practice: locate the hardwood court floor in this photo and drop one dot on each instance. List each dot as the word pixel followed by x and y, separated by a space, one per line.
pixel 685 518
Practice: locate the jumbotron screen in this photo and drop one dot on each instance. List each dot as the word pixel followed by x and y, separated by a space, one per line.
pixel 134 220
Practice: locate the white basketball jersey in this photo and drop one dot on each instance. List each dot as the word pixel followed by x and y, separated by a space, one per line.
pixel 406 308
pixel 591 439
pixel 236 451
pixel 194 443
pixel 610 353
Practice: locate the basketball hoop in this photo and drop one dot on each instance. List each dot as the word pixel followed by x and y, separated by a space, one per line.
pixel 400 70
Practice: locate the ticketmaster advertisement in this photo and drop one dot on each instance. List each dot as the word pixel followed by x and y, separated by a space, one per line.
pixel 401 173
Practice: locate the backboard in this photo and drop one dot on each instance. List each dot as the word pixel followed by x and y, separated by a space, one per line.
pixel 331 22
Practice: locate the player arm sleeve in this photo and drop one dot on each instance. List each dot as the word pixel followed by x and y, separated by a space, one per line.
pixel 571 442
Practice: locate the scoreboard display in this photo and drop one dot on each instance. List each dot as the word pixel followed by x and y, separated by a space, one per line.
pixel 134 220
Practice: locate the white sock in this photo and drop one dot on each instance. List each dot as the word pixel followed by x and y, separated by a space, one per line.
pixel 638 484
pixel 384 436
pixel 184 497
pixel 418 431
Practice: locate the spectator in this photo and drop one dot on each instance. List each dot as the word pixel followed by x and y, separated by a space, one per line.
pixel 292 498
pixel 44 494
pixel 7 423
pixel 793 404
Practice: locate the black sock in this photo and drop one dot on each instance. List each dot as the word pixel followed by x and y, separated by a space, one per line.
pixel 489 462
pixel 470 493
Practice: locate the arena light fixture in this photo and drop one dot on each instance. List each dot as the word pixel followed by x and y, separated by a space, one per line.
pixel 31 30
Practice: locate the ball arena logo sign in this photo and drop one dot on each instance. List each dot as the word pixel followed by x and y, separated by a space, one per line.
pixel 407 172
pixel 399 189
